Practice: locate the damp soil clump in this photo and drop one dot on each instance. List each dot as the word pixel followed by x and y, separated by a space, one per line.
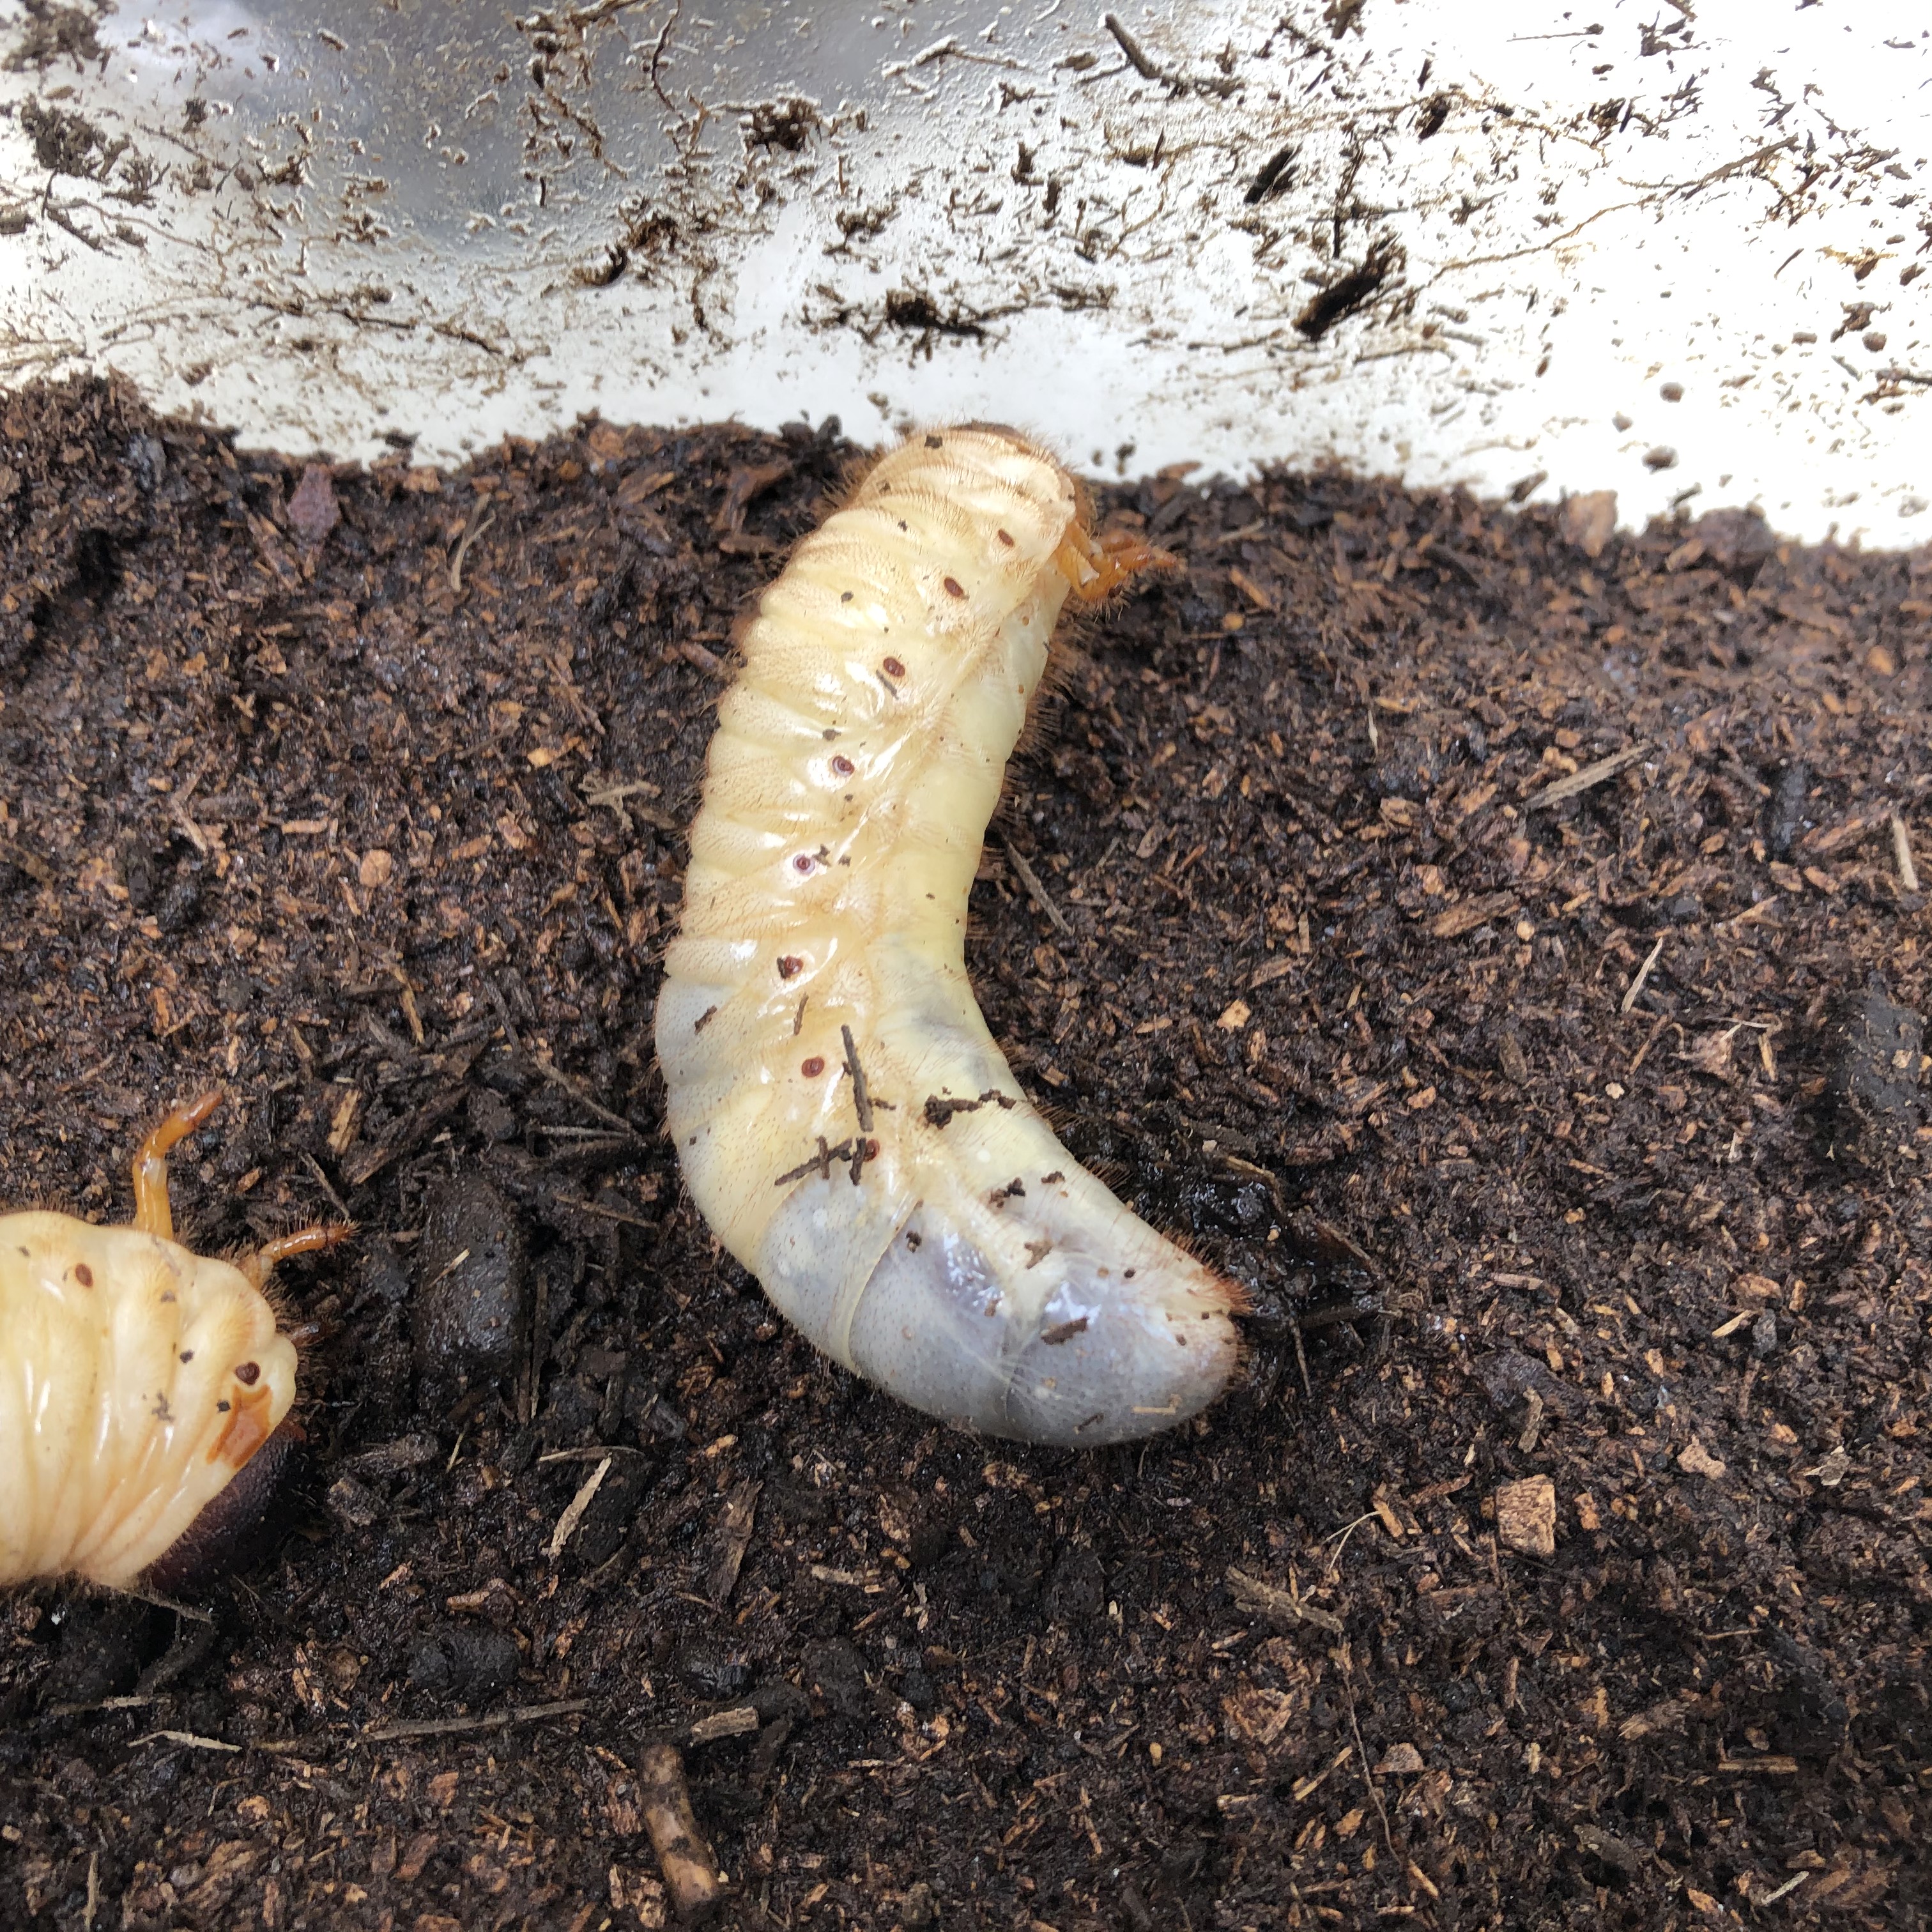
pixel 1497 942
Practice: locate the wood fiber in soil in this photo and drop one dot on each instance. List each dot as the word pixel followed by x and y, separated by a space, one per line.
pixel 362 796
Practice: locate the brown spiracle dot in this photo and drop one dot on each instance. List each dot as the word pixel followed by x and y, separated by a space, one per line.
pixel 247 1374
pixel 843 766
pixel 789 964
pixel 953 588
pixel 802 863
pixel 813 1067
pixel 893 668
pixel 1005 537
pixel 83 1274
pixel 871 1149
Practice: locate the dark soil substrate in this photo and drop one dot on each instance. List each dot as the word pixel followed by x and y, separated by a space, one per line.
pixel 363 800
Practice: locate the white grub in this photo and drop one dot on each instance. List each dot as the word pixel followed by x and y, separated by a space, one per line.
pixel 136 1379
pixel 844 1118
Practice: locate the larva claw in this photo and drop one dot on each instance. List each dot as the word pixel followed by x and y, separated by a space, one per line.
pixel 1095 567
pixel 153 1215
pixel 265 1259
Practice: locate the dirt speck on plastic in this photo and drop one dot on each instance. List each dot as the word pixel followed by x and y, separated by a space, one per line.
pixel 1483 934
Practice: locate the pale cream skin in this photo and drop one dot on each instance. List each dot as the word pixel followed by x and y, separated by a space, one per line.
pixel 919 1221
pixel 136 1379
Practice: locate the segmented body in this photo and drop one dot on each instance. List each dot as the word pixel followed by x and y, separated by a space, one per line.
pixel 136 1379
pixel 845 1120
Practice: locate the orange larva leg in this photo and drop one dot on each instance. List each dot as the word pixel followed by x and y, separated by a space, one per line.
pixel 1096 568
pixel 262 1263
pixel 152 1214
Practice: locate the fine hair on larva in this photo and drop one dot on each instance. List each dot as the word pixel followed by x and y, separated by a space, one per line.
pixel 140 1384
pixel 843 1117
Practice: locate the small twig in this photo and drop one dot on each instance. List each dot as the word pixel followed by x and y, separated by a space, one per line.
pixel 597 1208
pixel 732 1724
pixel 448 1727
pixel 1368 1776
pixel 322 1181
pixel 406 997
pixel 1656 1033
pixel 861 1099
pixel 1030 879
pixel 137 1703
pixel 192 1739
pixel 1136 56
pixel 1643 974
pixel 613 797
pixel 584 1099
pixel 1901 853
pixel 1581 780
pixel 502 1007
pixel 161 1603
pixel 471 531
pixel 1301 1357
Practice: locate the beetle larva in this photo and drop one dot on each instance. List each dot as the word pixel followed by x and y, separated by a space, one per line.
pixel 137 1379
pixel 844 1118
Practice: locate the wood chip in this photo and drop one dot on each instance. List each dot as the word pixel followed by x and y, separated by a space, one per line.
pixel 1643 973
pixel 1256 594
pixel 1470 914
pixel 573 1514
pixel 1589 520
pixel 1252 1594
pixel 1667 1716
pixel 735 1538
pixel 1699 1460
pixel 1532 1427
pixel 732 1724
pixel 1526 1516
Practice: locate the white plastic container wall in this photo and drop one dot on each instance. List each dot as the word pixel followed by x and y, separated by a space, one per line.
pixel 1679 251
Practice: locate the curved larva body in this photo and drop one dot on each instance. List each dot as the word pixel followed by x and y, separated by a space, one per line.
pixel 845 1120
pixel 112 1442
pixel 136 1379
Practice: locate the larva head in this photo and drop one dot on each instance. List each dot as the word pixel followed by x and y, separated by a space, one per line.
pixel 1014 501
pixel 1094 562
